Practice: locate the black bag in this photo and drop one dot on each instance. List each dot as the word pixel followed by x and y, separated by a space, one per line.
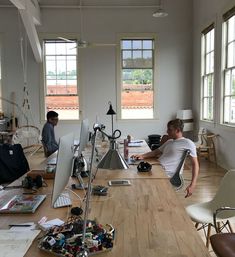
pixel 13 163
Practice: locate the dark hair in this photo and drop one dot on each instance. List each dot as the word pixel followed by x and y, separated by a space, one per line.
pixel 176 124
pixel 52 114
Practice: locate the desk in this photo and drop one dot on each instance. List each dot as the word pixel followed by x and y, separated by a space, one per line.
pixel 149 219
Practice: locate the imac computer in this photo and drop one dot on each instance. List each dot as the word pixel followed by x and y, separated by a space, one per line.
pixel 63 171
pixel 84 136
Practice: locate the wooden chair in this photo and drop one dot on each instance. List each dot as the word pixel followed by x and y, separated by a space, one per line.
pixel 29 137
pixel 206 147
pixel 223 244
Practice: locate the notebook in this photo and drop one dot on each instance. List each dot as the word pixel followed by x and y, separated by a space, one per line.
pixel 21 204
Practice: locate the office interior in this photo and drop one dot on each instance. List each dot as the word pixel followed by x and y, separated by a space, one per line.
pixel 178 62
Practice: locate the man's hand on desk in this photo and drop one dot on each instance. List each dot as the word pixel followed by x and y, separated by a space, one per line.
pixel 137 157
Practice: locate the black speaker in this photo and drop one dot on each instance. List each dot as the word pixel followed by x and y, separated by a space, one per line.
pixel 30 182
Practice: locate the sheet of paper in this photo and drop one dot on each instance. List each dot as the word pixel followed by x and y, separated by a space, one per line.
pixel 16 243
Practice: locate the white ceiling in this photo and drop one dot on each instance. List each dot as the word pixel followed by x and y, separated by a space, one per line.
pixel 94 3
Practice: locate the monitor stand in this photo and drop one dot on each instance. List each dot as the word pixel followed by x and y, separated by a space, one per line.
pixel 80 185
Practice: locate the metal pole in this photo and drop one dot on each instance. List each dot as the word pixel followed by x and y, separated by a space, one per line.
pixel 84 252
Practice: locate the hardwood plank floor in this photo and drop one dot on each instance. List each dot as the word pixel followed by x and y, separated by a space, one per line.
pixel 207 185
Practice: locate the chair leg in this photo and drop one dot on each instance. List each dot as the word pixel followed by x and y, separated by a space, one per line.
pixel 208 236
pixel 230 227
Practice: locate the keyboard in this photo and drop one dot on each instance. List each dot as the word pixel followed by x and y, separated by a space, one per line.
pixel 63 200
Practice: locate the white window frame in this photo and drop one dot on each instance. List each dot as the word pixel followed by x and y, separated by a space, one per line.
pixel 227 115
pixel 45 36
pixel 207 96
pixel 135 36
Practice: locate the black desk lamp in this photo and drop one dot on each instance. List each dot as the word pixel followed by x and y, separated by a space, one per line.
pixel 112 159
pixel 111 112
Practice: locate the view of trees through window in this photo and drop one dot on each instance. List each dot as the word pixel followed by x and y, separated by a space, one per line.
pixel 229 72
pixel 137 64
pixel 61 78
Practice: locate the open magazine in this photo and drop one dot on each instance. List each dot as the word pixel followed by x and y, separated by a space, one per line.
pixel 21 204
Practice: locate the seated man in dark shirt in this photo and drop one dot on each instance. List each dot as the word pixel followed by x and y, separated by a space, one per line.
pixel 48 134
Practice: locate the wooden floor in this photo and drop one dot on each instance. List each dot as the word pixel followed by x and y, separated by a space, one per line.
pixel 208 182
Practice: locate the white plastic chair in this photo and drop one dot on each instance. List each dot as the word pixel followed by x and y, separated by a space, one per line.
pixel 202 213
pixel 29 137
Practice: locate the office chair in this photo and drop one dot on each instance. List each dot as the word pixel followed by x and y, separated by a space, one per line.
pixel 223 244
pixel 202 213
pixel 177 179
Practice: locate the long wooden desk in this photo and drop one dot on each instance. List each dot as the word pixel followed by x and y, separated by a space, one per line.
pixel 149 219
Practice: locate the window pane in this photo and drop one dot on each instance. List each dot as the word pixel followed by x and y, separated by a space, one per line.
pixel 147 44
pixel 212 39
pixel 231 29
pixel 66 106
pixel 210 62
pixel 61 48
pixel 137 44
pixel 126 44
pixel 137 105
pixel 127 58
pixel 137 79
pixel 51 66
pixel 207 108
pixel 226 109
pixel 50 49
pixel 231 55
pixel 205 87
pixel 126 54
pixel 233 82
pixel 71 67
pixel 71 48
pixel 227 83
pixel 233 109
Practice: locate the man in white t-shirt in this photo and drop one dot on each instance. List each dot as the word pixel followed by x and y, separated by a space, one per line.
pixel 170 153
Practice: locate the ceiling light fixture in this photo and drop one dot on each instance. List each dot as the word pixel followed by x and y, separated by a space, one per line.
pixel 160 12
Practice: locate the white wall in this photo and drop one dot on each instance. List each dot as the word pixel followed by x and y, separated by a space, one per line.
pixel 206 12
pixel 174 61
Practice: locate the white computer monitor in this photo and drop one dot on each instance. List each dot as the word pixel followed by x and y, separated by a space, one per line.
pixel 63 166
pixel 84 136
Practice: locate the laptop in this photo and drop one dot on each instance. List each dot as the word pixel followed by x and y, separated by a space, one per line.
pixel 21 203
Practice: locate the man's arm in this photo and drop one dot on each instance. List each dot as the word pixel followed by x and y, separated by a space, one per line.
pixel 195 172
pixel 152 154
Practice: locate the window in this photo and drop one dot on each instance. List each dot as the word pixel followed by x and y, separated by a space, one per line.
pixel 60 78
pixel 207 89
pixel 229 69
pixel 137 75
